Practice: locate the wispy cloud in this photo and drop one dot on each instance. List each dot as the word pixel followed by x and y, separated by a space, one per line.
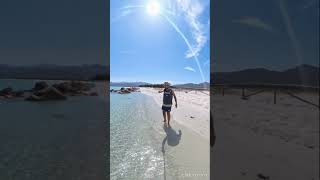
pixel 192 10
pixel 189 69
pixel 121 15
pixel 125 11
pixel 254 22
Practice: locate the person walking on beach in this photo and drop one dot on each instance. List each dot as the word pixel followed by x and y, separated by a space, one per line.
pixel 167 102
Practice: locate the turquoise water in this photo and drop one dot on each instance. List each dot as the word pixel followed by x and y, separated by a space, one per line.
pixel 52 140
pixel 17 84
pixel 58 140
pixel 142 148
pixel 135 147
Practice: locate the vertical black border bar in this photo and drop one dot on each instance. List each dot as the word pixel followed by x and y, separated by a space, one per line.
pixel 212 132
pixel 107 94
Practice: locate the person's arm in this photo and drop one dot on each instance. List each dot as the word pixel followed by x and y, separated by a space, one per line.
pixel 161 91
pixel 175 98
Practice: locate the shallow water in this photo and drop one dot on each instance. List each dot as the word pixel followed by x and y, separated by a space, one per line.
pixel 66 139
pixel 133 154
pixel 142 148
pixel 52 140
pixel 17 84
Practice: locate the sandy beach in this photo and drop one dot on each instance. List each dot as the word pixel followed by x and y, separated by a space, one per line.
pixel 257 139
pixel 193 109
pixel 189 157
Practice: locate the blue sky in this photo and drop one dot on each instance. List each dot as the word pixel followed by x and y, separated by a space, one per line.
pixel 149 48
pixel 64 32
pixel 272 34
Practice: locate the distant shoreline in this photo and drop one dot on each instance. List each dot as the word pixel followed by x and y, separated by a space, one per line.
pixel 266 86
pixel 46 79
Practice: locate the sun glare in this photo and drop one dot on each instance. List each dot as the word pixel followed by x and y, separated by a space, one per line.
pixel 153 8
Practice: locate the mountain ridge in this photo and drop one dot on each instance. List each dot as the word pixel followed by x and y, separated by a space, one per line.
pixel 49 71
pixel 304 74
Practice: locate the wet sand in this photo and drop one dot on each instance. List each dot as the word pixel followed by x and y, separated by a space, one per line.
pixel 191 153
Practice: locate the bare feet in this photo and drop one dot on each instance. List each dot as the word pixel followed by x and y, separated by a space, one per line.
pixel 165 125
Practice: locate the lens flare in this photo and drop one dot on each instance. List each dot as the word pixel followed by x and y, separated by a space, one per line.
pixel 153 8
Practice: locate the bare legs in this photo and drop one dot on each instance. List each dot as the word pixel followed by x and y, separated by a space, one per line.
pixel 166 115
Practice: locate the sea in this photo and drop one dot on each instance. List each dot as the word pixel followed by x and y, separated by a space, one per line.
pixel 141 147
pixel 67 139
pixel 53 139
pixel 135 143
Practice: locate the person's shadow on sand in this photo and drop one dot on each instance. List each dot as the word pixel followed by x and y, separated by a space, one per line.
pixel 172 137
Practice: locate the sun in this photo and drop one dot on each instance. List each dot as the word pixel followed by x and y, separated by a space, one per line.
pixel 153 8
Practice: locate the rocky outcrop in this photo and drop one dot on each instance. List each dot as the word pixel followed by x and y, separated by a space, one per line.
pixel 125 90
pixel 5 91
pixel 59 91
pixel 40 85
pixel 50 93
pixel 42 91
pixel 10 93
pixel 73 87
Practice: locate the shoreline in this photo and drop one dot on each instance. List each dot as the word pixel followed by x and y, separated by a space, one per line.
pixel 44 90
pixel 192 112
pixel 172 149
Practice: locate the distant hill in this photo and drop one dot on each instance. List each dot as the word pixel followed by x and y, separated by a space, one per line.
pixel 81 72
pixel 204 85
pixel 128 84
pixel 301 75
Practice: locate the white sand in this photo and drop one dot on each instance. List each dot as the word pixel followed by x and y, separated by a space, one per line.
pixel 190 159
pixel 256 136
pixel 193 109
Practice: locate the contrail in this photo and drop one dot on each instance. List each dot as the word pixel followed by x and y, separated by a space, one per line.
pixel 187 42
pixel 292 35
pixel 178 31
pixel 290 30
pixel 132 7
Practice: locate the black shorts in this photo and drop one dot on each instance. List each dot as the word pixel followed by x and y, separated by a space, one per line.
pixel 166 108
